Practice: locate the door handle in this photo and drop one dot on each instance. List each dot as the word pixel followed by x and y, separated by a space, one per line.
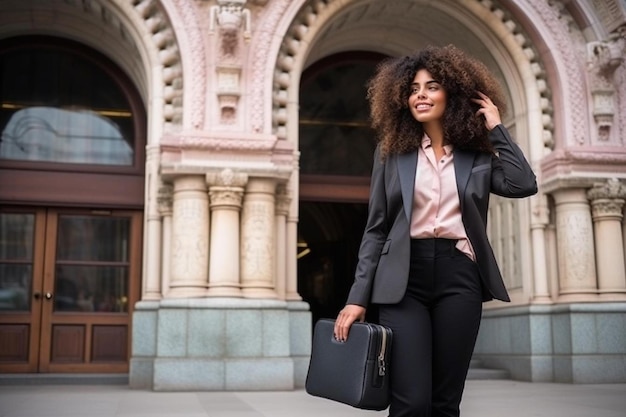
pixel 48 296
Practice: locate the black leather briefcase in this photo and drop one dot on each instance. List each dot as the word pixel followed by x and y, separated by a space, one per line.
pixel 355 372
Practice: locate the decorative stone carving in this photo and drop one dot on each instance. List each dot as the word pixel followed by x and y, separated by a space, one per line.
pixel 227 178
pixel 577 266
pixel 230 16
pixel 607 199
pixel 603 59
pixel 283 200
pixel 165 200
pixel 194 41
pixel 228 92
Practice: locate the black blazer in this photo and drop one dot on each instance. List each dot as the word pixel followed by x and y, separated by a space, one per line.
pixel 382 271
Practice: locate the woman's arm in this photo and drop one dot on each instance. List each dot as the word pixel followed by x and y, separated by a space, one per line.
pixel 374 236
pixel 511 174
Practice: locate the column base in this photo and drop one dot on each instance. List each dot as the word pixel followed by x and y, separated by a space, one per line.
pixel 613 295
pixel 227 291
pixel 571 343
pixel 259 293
pixel 220 344
pixel 186 292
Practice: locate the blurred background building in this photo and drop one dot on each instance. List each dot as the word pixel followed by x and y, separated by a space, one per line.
pixel 184 183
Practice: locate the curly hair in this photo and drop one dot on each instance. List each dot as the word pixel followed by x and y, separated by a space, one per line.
pixel 460 75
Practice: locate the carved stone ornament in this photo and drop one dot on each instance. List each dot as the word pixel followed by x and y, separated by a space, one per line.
pixel 226 178
pixel 607 199
pixel 603 59
pixel 228 92
pixel 230 16
pixel 164 199
pixel 613 188
pixel 283 200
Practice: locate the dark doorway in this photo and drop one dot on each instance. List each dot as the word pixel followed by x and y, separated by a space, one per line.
pixel 330 234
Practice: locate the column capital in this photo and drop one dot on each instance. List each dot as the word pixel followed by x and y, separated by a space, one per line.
pixel 611 189
pixel 225 197
pixel 165 199
pixel 607 199
pixel 283 200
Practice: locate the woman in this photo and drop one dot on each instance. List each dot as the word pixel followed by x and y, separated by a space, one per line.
pixel 425 259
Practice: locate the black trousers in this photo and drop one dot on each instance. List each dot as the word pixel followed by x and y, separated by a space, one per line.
pixel 434 330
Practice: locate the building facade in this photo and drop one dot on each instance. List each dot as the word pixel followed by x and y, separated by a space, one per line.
pixel 183 183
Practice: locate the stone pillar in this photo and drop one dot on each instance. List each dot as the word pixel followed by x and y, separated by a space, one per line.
pixel 190 237
pixel 541 292
pixel 165 207
pixel 607 202
pixel 257 239
pixel 292 242
pixel 282 210
pixel 577 267
pixel 152 231
pixel 225 197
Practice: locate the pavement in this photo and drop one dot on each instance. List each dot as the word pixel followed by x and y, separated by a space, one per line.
pixel 483 398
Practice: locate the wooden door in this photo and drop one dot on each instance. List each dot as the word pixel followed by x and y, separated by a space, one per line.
pixel 72 279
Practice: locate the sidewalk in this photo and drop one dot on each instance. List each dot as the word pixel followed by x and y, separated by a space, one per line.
pixel 490 398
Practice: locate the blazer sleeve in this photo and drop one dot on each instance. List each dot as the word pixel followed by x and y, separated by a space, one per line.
pixel 374 236
pixel 511 174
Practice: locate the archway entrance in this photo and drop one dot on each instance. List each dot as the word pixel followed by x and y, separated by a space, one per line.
pixel 337 146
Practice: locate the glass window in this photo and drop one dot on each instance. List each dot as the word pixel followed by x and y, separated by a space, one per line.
pixel 16 260
pixel 57 105
pixel 92 264
pixel 335 135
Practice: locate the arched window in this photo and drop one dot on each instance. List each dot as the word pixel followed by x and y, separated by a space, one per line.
pixel 62 104
pixel 72 127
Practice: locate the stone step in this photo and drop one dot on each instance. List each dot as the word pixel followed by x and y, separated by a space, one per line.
pixel 478 371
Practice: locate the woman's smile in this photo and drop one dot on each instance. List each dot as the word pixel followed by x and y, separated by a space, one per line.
pixel 427 101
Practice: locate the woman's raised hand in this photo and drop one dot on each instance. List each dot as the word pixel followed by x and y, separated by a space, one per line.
pixel 488 110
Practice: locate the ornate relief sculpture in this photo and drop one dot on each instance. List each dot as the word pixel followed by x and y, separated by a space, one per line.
pixel 231 17
pixel 603 59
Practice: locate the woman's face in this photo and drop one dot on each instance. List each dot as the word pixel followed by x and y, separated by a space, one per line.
pixel 427 101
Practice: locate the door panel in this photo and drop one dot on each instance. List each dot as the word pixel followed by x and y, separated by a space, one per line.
pixel 22 241
pixel 85 275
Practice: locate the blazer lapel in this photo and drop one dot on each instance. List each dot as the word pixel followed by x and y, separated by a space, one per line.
pixel 407 165
pixel 463 162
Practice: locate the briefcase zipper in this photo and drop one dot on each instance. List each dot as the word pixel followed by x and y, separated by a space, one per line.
pixel 381 356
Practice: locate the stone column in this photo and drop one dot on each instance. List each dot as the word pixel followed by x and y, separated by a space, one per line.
pixel 282 210
pixel 607 202
pixel 225 197
pixel 541 292
pixel 577 267
pixel 152 230
pixel 257 239
pixel 190 237
pixel 165 207
pixel 292 242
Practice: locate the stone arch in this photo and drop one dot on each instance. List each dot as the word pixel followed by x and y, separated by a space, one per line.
pixel 119 30
pixel 550 27
pixel 510 49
